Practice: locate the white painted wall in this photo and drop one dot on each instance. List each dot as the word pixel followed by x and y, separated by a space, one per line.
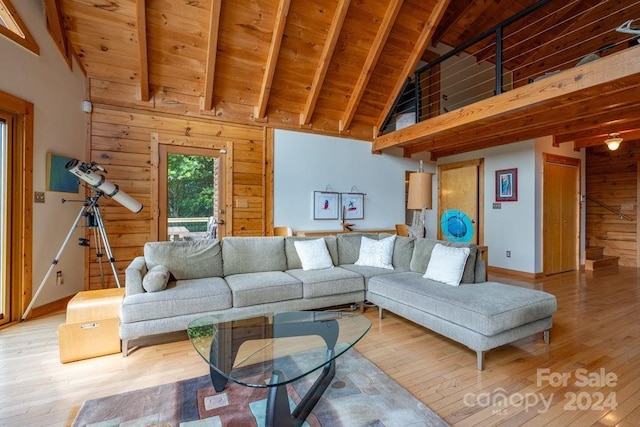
pixel 517 226
pixel 306 162
pixel 59 127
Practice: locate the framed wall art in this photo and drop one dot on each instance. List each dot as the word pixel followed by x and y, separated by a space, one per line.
pixel 507 185
pixel 58 178
pixel 325 205
pixel 352 205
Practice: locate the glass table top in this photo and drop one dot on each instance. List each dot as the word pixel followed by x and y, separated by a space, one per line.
pixel 248 350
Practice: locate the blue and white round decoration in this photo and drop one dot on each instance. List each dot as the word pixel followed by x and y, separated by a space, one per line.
pixel 456 226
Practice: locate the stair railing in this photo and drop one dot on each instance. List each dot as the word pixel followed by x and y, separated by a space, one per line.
pixel 614 210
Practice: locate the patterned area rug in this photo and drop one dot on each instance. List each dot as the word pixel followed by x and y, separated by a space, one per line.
pixel 359 395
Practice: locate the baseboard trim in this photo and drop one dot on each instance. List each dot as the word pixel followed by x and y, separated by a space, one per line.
pixel 52 307
pixel 514 273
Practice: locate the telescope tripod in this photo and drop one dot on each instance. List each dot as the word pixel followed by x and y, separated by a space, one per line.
pixel 91 211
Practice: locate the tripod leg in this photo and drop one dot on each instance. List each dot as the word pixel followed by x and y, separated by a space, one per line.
pixel 55 261
pixel 99 255
pixel 107 247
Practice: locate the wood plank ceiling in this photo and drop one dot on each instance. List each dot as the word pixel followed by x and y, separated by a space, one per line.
pixel 328 66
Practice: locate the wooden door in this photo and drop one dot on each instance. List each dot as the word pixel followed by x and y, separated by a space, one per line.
pixel 560 214
pixel 460 188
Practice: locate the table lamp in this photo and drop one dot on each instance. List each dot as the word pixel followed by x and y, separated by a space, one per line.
pixel 419 200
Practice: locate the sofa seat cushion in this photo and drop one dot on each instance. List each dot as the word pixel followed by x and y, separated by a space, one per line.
pixel 262 288
pixel 333 281
pixel 488 308
pixel 367 272
pixel 180 298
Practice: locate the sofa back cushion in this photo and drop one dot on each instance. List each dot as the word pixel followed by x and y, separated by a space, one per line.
pixel 422 255
pixel 195 259
pixel 253 254
pixel 402 252
pixel 349 246
pixel 293 260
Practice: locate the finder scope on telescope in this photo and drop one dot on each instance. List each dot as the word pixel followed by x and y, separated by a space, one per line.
pixel 87 173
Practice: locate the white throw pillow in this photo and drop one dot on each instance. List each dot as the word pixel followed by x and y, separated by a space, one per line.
pixel 313 254
pixel 376 253
pixel 446 264
pixel 156 279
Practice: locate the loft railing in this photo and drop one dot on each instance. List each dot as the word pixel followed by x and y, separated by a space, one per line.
pixel 514 53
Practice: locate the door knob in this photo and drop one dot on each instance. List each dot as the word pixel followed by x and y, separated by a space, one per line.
pixel 220 221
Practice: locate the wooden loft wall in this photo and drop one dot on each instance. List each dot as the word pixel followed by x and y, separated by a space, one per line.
pixel 612 179
pixel 124 141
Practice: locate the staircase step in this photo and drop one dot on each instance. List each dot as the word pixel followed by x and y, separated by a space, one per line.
pixel 605 261
pixel 594 252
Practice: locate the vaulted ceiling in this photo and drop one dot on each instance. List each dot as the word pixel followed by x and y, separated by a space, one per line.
pixel 327 66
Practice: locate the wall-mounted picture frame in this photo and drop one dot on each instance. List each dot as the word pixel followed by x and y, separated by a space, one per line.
pixel 352 205
pixel 507 185
pixel 325 204
pixel 58 177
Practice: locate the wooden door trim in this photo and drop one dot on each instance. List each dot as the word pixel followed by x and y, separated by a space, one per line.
pixel 20 241
pixel 555 159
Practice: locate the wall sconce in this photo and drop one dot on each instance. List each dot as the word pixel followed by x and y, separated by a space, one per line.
pixel 613 141
pixel 419 199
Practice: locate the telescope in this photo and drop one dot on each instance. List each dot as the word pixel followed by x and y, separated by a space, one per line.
pixel 87 173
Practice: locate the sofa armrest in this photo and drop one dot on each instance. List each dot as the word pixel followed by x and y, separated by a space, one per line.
pixel 133 276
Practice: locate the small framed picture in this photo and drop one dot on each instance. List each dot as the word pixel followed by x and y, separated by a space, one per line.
pixel 325 205
pixel 352 205
pixel 507 185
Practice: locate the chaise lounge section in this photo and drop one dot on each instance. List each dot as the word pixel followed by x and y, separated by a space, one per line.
pixel 257 275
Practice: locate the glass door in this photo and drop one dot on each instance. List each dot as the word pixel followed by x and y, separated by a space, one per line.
pixel 190 194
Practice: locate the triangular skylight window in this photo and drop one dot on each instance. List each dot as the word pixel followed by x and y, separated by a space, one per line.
pixel 12 27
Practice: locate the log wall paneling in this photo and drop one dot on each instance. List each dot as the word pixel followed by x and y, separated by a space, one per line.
pixel 612 179
pixel 125 142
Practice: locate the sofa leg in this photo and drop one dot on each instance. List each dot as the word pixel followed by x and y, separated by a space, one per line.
pixel 380 310
pixel 480 355
pixel 361 304
pixel 546 336
pixel 125 348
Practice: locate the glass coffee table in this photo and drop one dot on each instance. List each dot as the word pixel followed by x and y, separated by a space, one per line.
pixel 281 347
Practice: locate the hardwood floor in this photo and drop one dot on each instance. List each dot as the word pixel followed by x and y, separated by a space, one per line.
pixel 595 340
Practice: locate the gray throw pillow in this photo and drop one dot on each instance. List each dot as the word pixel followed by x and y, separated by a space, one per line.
pixel 156 279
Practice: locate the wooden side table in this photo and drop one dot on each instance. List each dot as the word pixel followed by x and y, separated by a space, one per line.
pixel 92 325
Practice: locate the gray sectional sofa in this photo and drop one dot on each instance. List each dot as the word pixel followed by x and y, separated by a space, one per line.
pixel 256 275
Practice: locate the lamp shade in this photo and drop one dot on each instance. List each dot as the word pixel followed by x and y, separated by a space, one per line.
pixel 419 190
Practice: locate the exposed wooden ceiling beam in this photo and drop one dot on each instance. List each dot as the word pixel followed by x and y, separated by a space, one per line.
pixel 544 125
pixel 325 60
pixel 143 67
pixel 449 19
pixel 16 30
pixel 626 135
pixel 414 57
pixel 272 58
pixel 369 64
pixel 605 128
pixel 559 88
pixel 212 52
pixel 56 29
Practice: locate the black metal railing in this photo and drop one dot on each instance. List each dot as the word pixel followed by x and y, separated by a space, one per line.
pixel 463 76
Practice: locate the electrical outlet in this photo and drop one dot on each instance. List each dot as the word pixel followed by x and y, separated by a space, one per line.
pixel 38 197
pixel 242 203
pixel 508 254
pixel 59 278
